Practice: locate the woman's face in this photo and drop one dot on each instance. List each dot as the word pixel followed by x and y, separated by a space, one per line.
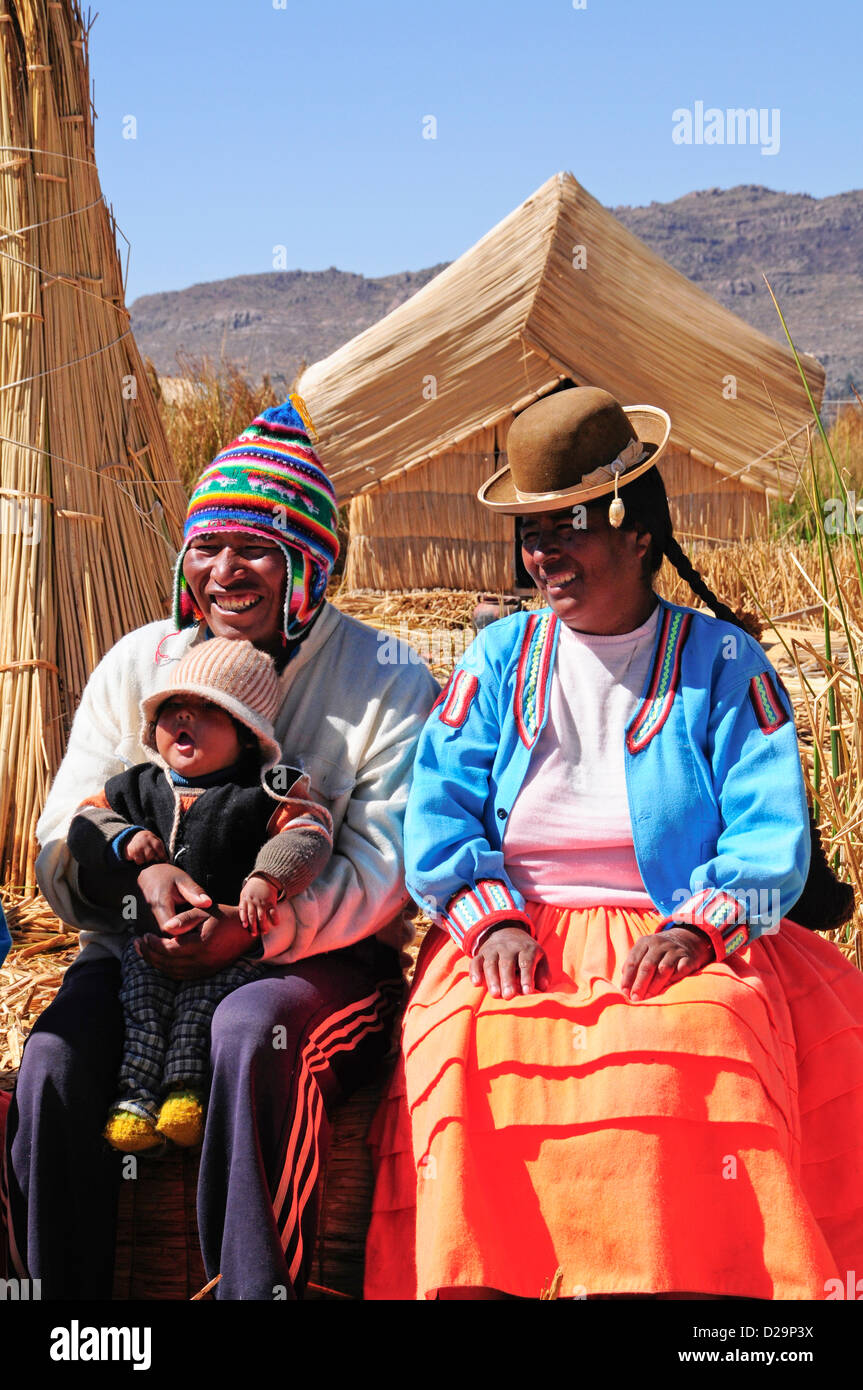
pixel 238 583
pixel 590 575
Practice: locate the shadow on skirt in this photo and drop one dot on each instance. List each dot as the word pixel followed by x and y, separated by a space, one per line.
pixel 709 1139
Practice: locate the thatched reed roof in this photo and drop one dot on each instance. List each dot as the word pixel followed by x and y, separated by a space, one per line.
pixel 524 308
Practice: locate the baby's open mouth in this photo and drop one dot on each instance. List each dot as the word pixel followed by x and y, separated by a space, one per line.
pixel 185 741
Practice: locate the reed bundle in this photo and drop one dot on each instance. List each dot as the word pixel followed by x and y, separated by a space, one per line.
pixel 92 513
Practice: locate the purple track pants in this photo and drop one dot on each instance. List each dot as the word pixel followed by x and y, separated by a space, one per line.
pixel 285 1050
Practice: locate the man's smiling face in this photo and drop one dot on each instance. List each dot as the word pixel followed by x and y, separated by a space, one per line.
pixel 238 583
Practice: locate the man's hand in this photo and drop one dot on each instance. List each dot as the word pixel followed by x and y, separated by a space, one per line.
pixel 190 919
pixel 219 940
pixel 657 961
pixel 165 888
pixel 510 962
pixel 144 848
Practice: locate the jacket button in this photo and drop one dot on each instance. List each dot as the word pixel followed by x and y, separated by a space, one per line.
pixel 501 815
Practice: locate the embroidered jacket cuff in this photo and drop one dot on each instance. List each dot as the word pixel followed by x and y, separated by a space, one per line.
pixel 471 913
pixel 719 915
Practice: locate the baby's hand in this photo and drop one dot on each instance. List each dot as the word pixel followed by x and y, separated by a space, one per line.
pixel 258 904
pixel 144 848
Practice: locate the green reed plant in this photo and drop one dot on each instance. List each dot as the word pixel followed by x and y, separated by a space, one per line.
pixel 836 791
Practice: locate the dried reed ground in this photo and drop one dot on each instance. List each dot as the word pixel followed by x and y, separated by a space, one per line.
pixel 439 620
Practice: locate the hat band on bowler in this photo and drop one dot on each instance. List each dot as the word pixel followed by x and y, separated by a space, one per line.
pixel 634 453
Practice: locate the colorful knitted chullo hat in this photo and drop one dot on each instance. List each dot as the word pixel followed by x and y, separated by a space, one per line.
pixel 269 482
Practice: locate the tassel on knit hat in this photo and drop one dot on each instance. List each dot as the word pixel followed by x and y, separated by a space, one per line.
pixel 270 482
pixel 233 674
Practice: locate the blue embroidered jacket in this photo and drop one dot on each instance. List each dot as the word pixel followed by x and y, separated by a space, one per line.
pixel 5 938
pixel 716 794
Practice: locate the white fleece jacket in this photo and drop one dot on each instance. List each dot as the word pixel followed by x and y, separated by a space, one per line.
pixel 348 719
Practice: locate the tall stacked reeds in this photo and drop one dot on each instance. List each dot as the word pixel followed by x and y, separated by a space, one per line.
pixel 91 511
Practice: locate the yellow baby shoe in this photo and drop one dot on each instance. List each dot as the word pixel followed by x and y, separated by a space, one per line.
pixel 131 1133
pixel 181 1119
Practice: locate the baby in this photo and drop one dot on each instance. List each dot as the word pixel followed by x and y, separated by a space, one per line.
pixel 214 800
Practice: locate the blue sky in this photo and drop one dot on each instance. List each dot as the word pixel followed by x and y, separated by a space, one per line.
pixel 259 126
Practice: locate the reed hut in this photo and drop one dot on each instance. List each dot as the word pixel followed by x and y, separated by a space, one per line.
pixel 90 513
pixel 413 413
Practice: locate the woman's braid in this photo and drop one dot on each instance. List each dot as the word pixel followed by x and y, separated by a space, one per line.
pixel 647 509
pixel 685 568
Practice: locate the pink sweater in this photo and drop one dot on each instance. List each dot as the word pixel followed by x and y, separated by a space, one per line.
pixel 568 840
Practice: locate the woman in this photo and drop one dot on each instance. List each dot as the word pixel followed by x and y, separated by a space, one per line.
pixel 621 1060
pixel 259 545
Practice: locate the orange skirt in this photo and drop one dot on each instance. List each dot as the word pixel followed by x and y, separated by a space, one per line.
pixel 707 1140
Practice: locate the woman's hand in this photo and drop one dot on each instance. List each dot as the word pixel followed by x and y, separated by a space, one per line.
pixel 509 962
pixel 657 961
pixel 219 939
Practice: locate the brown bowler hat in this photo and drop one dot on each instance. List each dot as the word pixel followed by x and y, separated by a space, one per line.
pixel 572 447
